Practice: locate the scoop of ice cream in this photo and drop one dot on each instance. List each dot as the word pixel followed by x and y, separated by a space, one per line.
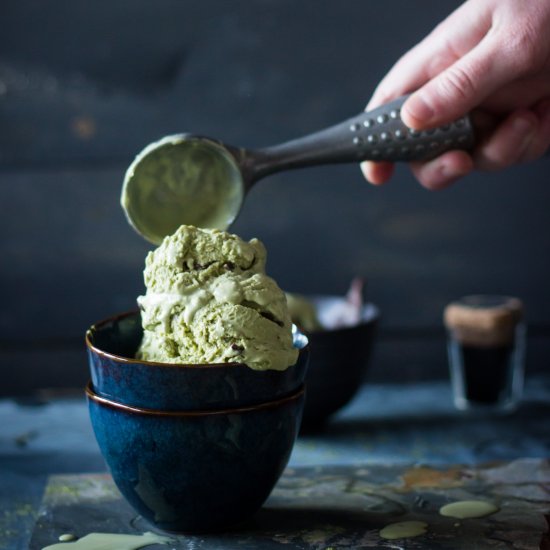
pixel 329 314
pixel 209 300
pixel 303 312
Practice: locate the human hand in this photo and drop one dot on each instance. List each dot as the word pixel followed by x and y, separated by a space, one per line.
pixel 489 55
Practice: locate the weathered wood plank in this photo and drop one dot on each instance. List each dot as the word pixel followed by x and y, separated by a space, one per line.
pixel 83 81
pixel 69 258
pixel 396 359
pixel 83 87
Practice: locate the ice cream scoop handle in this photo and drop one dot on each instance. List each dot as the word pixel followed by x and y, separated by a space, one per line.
pixel 378 135
pixel 382 135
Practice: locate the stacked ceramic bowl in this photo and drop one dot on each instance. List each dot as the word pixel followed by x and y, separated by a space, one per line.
pixel 193 448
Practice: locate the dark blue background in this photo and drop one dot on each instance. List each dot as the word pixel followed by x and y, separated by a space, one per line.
pixel 85 85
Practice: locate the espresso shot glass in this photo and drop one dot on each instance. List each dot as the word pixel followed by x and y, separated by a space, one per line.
pixel 486 348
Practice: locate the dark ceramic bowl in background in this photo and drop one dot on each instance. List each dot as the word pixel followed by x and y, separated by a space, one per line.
pixel 196 471
pixel 116 375
pixel 337 363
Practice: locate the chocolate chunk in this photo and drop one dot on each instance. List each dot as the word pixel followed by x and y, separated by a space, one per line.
pixel 236 347
pixel 200 267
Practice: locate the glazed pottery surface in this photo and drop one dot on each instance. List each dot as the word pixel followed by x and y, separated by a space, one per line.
pixel 338 362
pixel 116 375
pixel 196 471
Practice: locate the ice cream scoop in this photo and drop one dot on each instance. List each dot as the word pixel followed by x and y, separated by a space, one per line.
pixel 200 181
pixel 210 301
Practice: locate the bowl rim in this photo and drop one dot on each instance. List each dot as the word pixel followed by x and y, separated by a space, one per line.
pixel 130 360
pixel 104 401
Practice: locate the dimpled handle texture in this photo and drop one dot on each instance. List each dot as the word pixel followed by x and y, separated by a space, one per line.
pixel 376 135
pixel 380 134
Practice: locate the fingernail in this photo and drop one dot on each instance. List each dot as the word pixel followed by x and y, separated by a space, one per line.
pixel 417 108
pixel 451 172
pixel 365 168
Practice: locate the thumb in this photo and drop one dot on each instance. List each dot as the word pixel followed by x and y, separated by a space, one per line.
pixel 462 86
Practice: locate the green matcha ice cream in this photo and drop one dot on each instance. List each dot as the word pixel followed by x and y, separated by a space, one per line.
pixel 209 300
pixel 303 312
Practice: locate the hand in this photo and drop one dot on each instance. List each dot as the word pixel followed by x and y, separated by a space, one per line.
pixel 488 55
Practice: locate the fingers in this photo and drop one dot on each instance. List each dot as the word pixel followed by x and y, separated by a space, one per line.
pixel 508 143
pixel 436 174
pixel 541 142
pixel 508 53
pixel 444 170
pixel 479 56
pixel 521 93
pixel 523 136
pixel 435 53
pixel 377 173
pixel 451 39
pixel 461 87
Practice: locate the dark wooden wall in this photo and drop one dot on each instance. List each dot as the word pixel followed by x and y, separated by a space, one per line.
pixel 85 85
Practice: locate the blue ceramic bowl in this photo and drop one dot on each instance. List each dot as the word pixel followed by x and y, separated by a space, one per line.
pixel 196 471
pixel 338 362
pixel 116 375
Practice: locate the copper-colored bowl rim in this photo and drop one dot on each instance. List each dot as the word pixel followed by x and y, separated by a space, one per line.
pixel 131 360
pixel 90 394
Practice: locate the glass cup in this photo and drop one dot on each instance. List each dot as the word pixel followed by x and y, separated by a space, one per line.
pixel 486 348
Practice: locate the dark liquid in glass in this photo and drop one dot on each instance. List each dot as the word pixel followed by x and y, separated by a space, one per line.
pixel 486 373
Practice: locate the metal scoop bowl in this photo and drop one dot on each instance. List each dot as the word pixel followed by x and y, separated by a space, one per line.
pixel 195 180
